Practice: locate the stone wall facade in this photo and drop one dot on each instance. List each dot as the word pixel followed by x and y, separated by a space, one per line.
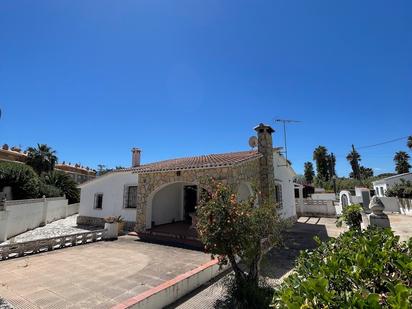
pixel 150 183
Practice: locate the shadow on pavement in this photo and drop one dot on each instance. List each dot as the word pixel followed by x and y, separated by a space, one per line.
pixel 281 260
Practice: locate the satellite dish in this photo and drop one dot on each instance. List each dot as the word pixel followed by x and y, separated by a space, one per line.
pixel 253 141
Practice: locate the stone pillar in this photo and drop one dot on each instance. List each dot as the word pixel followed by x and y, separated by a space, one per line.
pixel 377 217
pixel 266 169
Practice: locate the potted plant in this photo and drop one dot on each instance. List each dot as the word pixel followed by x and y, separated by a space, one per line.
pixel 120 225
pixel 111 226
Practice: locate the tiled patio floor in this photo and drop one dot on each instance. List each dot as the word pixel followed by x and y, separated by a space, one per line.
pixel 97 275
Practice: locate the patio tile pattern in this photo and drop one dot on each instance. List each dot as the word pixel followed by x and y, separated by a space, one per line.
pixel 97 275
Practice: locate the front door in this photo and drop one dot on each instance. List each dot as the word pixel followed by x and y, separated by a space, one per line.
pixel 190 201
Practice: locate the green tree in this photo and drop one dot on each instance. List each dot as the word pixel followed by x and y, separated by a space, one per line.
pixel 409 143
pixel 321 157
pixel 42 159
pixel 308 172
pixel 232 229
pixel 401 189
pixel 64 183
pixel 401 159
pixel 331 165
pixel 102 169
pixel 354 157
pixel 22 179
pixel 365 173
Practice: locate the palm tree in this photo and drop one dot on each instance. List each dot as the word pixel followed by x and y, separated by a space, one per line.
pixel 309 173
pixel 354 157
pixel 409 143
pixel 320 156
pixel 42 159
pixel 64 183
pixel 401 159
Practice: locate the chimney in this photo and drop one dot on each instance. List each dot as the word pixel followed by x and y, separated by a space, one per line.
pixel 136 157
pixel 266 168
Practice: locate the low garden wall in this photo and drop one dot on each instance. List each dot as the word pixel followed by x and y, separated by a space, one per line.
pixel 42 245
pixel 19 216
pixel 318 208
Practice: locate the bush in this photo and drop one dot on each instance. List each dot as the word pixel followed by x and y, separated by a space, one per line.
pixel 49 190
pixel 359 269
pixel 21 178
pixel 352 216
pixel 402 189
pixel 64 183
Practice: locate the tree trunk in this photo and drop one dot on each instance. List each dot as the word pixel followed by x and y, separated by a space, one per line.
pixel 239 274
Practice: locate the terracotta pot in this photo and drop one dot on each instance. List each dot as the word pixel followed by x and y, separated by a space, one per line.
pixel 120 227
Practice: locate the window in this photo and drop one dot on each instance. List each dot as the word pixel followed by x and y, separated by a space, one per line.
pixel 98 200
pixel 278 195
pixel 382 193
pixel 131 198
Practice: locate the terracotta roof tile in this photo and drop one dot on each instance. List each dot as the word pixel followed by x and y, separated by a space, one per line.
pixel 198 162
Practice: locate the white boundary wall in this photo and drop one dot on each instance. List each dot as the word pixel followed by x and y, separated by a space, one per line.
pixel 22 215
pixel 400 205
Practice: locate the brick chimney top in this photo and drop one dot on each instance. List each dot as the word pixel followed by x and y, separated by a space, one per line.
pixel 136 157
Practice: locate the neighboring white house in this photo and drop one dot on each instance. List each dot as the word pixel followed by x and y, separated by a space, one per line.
pixel 380 186
pixel 167 191
pixel 285 187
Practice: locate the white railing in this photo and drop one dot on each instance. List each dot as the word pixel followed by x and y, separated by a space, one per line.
pixel 48 244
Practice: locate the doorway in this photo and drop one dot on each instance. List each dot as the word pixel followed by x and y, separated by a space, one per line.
pixel 189 202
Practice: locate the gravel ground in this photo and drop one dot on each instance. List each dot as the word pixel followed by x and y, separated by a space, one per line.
pixel 57 228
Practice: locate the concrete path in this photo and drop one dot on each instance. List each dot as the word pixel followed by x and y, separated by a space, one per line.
pixel 57 228
pixel 97 275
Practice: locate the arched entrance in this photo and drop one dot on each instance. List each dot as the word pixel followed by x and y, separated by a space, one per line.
pixel 172 202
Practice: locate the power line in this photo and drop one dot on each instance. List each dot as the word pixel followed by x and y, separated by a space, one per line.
pixel 383 143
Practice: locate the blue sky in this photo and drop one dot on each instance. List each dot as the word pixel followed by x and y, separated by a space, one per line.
pixel 95 78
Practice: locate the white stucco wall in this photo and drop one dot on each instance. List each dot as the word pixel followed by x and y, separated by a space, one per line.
pixel 167 204
pixel 323 196
pixel 23 215
pixel 284 176
pixel 112 186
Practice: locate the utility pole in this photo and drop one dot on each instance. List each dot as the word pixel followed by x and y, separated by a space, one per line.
pixel 285 121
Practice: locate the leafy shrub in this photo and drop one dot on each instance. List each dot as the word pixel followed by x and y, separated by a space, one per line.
pixel 21 178
pixel 49 190
pixel 402 189
pixel 352 217
pixel 359 269
pixel 231 230
pixel 64 183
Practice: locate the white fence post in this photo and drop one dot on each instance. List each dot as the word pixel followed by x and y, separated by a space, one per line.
pixel 44 213
pixel 4 226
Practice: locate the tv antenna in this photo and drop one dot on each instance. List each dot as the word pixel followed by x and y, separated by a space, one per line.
pixel 286 121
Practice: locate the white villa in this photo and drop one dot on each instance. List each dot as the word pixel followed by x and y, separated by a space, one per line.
pixel 380 186
pixel 166 192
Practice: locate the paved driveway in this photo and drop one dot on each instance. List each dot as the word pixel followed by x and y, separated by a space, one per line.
pixel 280 261
pixel 97 275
